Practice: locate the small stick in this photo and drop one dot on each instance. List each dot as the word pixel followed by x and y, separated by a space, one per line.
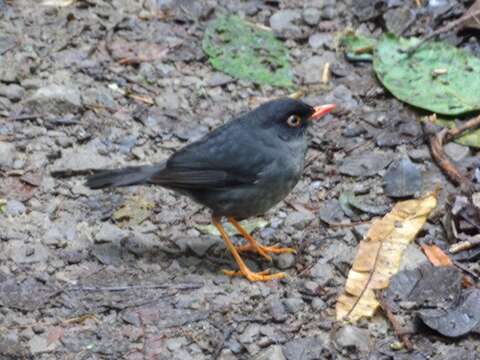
pixel 397 328
pixel 436 148
pixel 442 30
pixel 465 245
pixel 139 287
pixel 25 117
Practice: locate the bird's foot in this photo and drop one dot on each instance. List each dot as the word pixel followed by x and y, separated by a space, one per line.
pixel 264 250
pixel 253 276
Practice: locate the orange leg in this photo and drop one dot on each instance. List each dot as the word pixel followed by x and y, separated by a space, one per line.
pixel 244 270
pixel 254 246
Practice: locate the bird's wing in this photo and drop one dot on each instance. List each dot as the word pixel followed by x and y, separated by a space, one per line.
pixel 226 157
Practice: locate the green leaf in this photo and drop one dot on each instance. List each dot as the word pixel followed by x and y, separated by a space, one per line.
pixel 437 77
pixel 471 138
pixel 245 51
pixel 357 47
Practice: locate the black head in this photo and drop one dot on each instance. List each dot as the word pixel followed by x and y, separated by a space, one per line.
pixel 289 117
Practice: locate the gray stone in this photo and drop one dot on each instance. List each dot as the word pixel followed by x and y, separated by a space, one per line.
pixel 311 16
pixel 319 304
pixel 285 261
pixel 311 69
pixel 299 219
pixel 283 24
pixel 39 344
pixel 110 233
pixel 108 253
pixel 250 334
pixel 403 178
pixel 219 79
pixel 320 40
pixel 55 99
pixel 274 352
pixel 308 348
pixel 412 258
pixel 99 97
pixel 15 208
pixel 9 69
pixel 12 92
pixel 329 13
pixel 310 287
pixel 169 100
pixel 293 305
pixel 80 159
pixel 456 152
pixel 176 343
pixel 322 273
pixel 353 338
pixel 365 164
pixel 7 154
pixel 277 310
pixel 419 154
pixel 26 253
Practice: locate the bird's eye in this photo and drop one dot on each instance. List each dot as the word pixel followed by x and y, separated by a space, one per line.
pixel 294 121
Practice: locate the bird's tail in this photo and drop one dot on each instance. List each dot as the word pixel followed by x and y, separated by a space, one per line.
pixel 133 175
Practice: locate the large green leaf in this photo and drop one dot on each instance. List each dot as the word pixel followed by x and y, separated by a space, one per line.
pixel 437 77
pixel 245 51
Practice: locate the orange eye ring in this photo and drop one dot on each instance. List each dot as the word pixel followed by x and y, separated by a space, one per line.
pixel 294 121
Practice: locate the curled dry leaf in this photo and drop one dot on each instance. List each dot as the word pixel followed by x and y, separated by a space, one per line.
pixel 436 255
pixel 379 256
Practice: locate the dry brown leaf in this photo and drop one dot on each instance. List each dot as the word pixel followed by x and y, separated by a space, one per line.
pixel 379 256
pixel 436 255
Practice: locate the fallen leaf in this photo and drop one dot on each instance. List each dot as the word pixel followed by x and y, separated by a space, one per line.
pixel 379 256
pixel 436 255
pixel 403 178
pixel 246 51
pixel 357 47
pixel 349 200
pixel 432 78
pixel 458 320
pixel 135 210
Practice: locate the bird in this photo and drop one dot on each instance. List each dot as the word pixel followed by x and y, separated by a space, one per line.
pixel 238 170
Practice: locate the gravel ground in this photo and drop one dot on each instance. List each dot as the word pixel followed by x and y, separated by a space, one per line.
pixel 135 273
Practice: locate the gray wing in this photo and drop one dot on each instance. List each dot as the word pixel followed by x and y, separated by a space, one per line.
pixel 229 156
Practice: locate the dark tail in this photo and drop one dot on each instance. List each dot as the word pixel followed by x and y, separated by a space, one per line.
pixel 134 175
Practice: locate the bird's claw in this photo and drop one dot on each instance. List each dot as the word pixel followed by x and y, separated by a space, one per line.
pixel 265 250
pixel 253 276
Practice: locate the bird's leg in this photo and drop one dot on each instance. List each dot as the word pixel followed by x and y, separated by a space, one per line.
pixel 244 270
pixel 254 246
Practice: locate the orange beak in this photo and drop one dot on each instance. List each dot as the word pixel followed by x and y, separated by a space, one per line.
pixel 321 111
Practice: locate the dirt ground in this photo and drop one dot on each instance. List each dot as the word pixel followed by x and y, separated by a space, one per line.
pixel 134 273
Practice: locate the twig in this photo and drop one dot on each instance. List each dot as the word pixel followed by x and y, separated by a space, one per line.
pixel 442 30
pixel 436 148
pixel 468 125
pixel 465 245
pixel 25 117
pixel 187 286
pixel 134 81
pixel 397 328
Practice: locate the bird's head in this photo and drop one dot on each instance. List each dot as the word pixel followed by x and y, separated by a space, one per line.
pixel 289 117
